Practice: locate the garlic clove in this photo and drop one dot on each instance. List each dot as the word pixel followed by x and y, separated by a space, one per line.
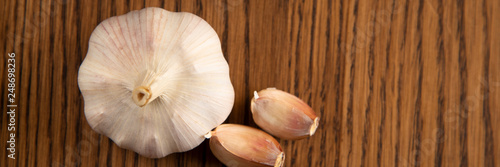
pixel 283 115
pixel 239 145
pixel 155 81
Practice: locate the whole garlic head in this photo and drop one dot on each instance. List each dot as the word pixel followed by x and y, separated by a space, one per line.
pixel 155 81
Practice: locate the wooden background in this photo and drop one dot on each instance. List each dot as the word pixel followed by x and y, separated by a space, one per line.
pixel 396 82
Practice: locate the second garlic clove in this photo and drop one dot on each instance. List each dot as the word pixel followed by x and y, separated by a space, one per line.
pixel 283 115
pixel 239 145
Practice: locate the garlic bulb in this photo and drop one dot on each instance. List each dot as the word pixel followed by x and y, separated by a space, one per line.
pixel 283 115
pixel 155 81
pixel 239 145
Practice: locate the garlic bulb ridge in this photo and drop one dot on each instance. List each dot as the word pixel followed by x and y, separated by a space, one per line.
pixel 155 81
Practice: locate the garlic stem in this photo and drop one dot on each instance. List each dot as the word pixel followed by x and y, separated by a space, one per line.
pixel 208 135
pixel 314 126
pixel 280 160
pixel 141 95
pixel 256 95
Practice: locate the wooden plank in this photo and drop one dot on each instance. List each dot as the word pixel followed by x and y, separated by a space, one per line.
pixel 395 83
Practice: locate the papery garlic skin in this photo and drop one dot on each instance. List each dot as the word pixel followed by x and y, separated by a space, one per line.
pixel 244 146
pixel 283 115
pixel 155 81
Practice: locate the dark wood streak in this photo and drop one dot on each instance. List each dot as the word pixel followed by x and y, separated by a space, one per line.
pixel 124 156
pixel 48 68
pixel 78 59
pixel 224 34
pixel 351 81
pixel 463 85
pixel 382 120
pixel 294 152
pixel 338 79
pixel 441 59
pixel 371 80
pixel 109 163
pixel 62 114
pixel 136 159
pixel 51 89
pixel 388 44
pixel 143 3
pixel 398 158
pixel 383 86
pixel 311 49
pixel 4 34
pixel 325 86
pixel 36 100
pixel 485 84
pixel 418 121
pixel 178 6
pixel 310 71
pixel 297 51
pixel 247 64
pixel 199 11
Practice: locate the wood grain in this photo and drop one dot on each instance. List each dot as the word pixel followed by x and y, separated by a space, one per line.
pixel 395 82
